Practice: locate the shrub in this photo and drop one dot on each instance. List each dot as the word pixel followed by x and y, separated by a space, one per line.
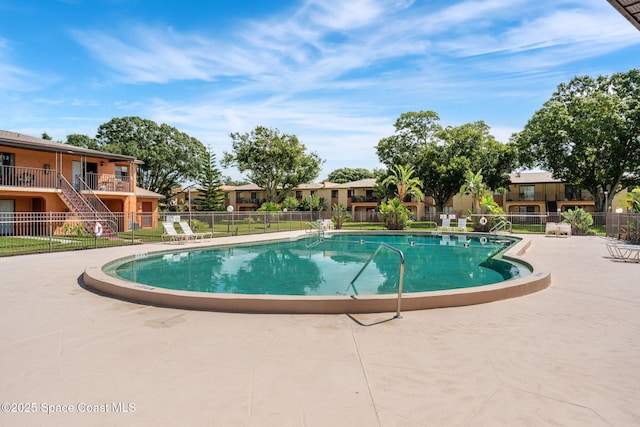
pixel 394 214
pixel 579 220
pixel 74 230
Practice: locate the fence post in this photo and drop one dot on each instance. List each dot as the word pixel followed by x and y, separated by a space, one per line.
pixel 133 228
pixel 50 231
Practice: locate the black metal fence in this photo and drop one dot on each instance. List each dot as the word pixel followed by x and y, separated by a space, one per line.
pixel 34 232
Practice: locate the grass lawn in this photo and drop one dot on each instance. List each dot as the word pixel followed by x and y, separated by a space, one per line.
pixel 24 245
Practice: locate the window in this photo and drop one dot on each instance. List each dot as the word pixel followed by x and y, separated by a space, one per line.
pixel 254 197
pixel 6 162
pixel 527 193
pixel 528 209
pixel 298 194
pixel 351 193
pixel 6 159
pixel 122 171
pixel 572 192
pixel 334 194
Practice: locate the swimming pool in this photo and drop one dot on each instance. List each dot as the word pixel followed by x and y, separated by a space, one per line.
pixel 234 251
pixel 323 266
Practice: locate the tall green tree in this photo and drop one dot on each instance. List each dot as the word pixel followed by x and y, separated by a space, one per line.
pixel 274 161
pixel 78 140
pixel 344 175
pixel 475 187
pixel 405 183
pixel 169 156
pixel 413 132
pixel 442 156
pixel 632 200
pixel 588 134
pixel 211 197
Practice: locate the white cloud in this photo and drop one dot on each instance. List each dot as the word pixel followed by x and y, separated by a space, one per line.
pixel 13 77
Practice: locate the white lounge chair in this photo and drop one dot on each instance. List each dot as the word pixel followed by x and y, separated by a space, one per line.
pixel 171 235
pixel 462 224
pixel 624 252
pixel 186 229
pixel 327 224
pixel 446 224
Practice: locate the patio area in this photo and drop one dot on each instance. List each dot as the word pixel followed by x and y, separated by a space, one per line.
pixel 565 356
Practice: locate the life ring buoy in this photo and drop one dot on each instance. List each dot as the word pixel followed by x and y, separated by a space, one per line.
pixel 483 220
pixel 483 240
pixel 98 229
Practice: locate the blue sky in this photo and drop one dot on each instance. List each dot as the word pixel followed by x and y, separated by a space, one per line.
pixel 335 73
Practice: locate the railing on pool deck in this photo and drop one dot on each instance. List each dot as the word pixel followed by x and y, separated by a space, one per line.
pixel 500 225
pixel 400 280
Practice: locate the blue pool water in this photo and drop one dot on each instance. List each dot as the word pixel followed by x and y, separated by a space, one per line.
pixel 313 266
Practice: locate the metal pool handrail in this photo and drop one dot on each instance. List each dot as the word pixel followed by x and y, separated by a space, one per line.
pixel 400 280
pixel 500 225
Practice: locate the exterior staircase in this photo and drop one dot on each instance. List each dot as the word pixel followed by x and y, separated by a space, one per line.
pixel 90 209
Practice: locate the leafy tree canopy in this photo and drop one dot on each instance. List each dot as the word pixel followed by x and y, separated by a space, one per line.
pixel 227 180
pixel 344 175
pixel 84 141
pixel 275 161
pixel 588 134
pixel 442 156
pixel 170 156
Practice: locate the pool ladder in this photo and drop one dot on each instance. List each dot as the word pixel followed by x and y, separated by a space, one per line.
pixel 500 225
pixel 401 276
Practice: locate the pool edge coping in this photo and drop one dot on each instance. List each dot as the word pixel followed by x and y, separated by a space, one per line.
pixel 94 278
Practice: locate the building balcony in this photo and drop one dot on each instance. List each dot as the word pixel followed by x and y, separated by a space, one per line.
pixel 584 195
pixel 365 199
pixel 248 201
pixel 526 197
pixel 22 177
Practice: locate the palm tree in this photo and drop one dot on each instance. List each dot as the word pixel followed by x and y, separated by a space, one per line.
pixel 632 200
pixel 474 186
pixel 406 184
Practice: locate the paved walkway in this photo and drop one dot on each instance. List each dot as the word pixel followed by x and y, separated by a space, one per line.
pixel 566 356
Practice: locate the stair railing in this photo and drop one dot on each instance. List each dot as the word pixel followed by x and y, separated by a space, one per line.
pixel 104 212
pixel 95 216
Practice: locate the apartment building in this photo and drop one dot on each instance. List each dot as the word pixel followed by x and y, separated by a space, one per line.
pixel 40 176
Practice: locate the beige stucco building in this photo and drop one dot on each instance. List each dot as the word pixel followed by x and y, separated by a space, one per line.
pixel 529 193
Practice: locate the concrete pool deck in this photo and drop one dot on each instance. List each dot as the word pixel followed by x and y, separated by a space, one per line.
pixel 568 355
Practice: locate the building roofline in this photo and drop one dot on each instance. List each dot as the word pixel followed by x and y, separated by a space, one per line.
pixel 18 140
pixel 630 9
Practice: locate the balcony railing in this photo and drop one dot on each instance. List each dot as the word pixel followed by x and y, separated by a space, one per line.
pixel 541 197
pixel 18 176
pixel 107 182
pixel 365 199
pixel 248 201
pixel 527 197
pixel 585 195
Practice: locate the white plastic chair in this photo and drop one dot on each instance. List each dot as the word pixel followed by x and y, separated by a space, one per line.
pixel 171 235
pixel 186 229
